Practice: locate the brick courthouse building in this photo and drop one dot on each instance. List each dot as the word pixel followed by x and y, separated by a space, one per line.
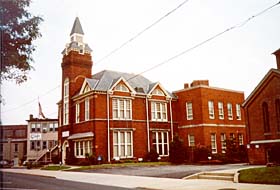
pixel 123 116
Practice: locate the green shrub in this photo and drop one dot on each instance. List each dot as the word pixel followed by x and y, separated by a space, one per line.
pixel 152 156
pixel 177 151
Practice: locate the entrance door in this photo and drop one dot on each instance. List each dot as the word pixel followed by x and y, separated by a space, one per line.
pixel 64 151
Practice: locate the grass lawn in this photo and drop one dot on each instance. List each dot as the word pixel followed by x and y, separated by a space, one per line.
pixel 265 175
pixel 55 168
pixel 104 166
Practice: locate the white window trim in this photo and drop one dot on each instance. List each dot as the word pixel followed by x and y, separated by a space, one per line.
pixel 158 92
pixel 230 113
pixel 162 110
pixel 190 142
pixel 238 112
pixel 161 145
pixel 223 142
pixel 125 109
pixel 82 143
pixel 213 142
pixel 121 88
pixel 126 144
pixel 66 102
pixel 77 113
pixel 240 139
pixel 211 109
pixel 87 109
pixel 221 110
pixel 189 113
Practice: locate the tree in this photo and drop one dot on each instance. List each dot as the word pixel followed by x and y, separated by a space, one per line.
pixel 177 152
pixel 19 29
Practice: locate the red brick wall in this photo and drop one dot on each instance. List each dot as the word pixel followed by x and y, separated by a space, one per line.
pixel 269 93
pixel 199 96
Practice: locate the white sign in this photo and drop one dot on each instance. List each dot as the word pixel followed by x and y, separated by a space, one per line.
pixel 35 136
pixel 65 133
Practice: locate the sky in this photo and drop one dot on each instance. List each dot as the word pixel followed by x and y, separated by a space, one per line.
pixel 237 59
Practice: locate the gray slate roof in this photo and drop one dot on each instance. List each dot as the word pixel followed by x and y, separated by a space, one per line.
pixel 77 27
pixel 104 80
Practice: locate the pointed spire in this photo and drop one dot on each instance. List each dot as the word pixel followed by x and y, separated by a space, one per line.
pixel 77 27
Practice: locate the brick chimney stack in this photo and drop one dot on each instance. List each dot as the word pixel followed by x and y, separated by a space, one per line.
pixel 277 54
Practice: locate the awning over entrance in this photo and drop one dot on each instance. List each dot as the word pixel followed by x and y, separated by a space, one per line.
pixel 81 135
pixel 265 141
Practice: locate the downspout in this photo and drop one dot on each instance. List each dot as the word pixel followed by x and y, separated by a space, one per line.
pixel 171 118
pixel 108 127
pixel 148 124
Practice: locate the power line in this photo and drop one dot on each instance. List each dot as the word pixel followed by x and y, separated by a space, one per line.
pixel 141 32
pixel 241 24
pixel 32 100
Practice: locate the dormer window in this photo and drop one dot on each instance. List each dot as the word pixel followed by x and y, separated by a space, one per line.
pixel 121 88
pixel 158 92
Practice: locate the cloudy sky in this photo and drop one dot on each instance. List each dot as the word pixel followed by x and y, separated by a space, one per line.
pixel 237 59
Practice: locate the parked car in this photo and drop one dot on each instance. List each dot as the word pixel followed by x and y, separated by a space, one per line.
pixel 5 164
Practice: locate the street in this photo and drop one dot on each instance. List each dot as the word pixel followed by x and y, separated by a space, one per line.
pixel 13 181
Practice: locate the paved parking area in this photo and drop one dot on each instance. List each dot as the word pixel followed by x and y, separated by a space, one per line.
pixel 171 171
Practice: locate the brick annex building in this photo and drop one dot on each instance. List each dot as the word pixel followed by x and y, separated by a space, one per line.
pixel 123 116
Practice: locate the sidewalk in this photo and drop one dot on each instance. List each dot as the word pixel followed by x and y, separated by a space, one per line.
pixel 144 182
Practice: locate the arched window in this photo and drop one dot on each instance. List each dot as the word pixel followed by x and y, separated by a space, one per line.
pixel 66 102
pixel 265 117
pixel 122 88
pixel 277 106
pixel 158 92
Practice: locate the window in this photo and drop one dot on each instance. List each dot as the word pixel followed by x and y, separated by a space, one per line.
pixel 66 102
pixel 122 109
pixel 277 107
pixel 265 117
pixel 16 148
pixel 122 144
pixel 238 112
pixel 211 110
pixel 55 126
pixel 159 111
pixel 87 108
pixel 189 111
pixel 240 139
pixel 160 142
pixel 38 127
pixel 122 88
pixel 33 127
pixel 82 148
pixel 229 109
pixel 35 145
pixel 44 146
pixel 231 136
pixel 45 127
pixel 221 110
pixel 50 142
pixel 191 140
pixel 158 92
pixel 223 142
pixel 77 113
pixel 213 143
pixel 32 146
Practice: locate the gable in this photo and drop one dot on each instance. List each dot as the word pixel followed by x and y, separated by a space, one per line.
pixel 270 81
pixel 156 89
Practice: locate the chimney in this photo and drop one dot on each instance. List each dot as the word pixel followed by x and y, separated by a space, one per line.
pixel 277 54
pixel 186 85
pixel 199 83
pixel 30 117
